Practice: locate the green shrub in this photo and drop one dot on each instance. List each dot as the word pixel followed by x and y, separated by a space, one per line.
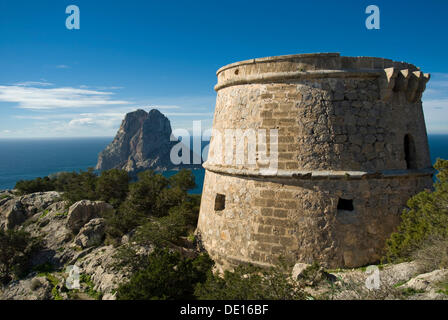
pixel 16 249
pixel 162 231
pixel 112 186
pixel 36 185
pixel 166 276
pixel 248 282
pixel 80 186
pixel 183 180
pixel 180 222
pixel 426 217
pixel 121 222
pixel 143 194
pixel 161 206
pixel 127 258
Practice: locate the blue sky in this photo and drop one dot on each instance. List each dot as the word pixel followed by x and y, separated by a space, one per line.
pixel 56 82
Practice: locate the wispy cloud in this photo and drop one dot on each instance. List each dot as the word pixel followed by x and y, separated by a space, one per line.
pixel 34 83
pixel 89 110
pixel 33 97
pixel 62 66
pixel 189 114
pixel 159 107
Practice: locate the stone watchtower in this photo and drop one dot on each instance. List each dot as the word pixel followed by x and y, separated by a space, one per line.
pixel 352 148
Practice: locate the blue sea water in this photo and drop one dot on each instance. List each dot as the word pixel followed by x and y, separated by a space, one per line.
pixel 23 159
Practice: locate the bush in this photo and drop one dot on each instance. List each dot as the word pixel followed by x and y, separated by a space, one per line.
pixel 183 180
pixel 248 282
pixel 80 186
pixel 36 185
pixel 143 194
pixel 180 221
pixel 166 276
pixel 425 218
pixel 16 248
pixel 161 206
pixel 112 186
pixel 121 222
pixel 162 231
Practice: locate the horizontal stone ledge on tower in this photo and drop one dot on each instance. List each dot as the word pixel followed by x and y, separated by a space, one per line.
pixel 287 57
pixel 318 174
pixel 298 75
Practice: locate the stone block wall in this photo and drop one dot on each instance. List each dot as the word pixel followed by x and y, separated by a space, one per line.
pixel 349 129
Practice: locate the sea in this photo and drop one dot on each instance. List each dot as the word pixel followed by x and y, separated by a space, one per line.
pixel 24 159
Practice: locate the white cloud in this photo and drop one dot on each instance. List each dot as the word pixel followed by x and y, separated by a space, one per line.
pixel 34 83
pixel 188 114
pixel 54 98
pixel 147 108
pixel 62 66
pixel 92 122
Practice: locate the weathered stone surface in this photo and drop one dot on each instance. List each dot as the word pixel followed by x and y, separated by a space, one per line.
pixel 85 210
pixel 142 142
pixel 12 214
pixel 101 266
pixel 14 210
pixel 340 136
pixel 91 234
pixel 32 288
pixel 39 201
pixel 427 280
pixel 298 269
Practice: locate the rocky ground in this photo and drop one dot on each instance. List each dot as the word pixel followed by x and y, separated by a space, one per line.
pixel 74 236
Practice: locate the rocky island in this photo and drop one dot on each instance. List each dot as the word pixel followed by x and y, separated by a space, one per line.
pixel 143 141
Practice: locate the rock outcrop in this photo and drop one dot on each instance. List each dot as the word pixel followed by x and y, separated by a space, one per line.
pixel 142 142
pixel 91 234
pixel 85 210
pixel 15 210
pixel 70 236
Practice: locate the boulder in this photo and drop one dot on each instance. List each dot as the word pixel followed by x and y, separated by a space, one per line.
pixel 298 269
pixel 12 214
pixel 85 210
pixel 91 234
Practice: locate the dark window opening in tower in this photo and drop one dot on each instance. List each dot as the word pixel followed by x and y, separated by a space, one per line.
pixel 345 204
pixel 410 154
pixel 220 202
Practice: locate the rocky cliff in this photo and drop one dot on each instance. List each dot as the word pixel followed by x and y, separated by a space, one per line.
pixel 142 142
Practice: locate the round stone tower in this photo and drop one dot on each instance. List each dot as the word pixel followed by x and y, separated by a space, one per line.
pixel 349 138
